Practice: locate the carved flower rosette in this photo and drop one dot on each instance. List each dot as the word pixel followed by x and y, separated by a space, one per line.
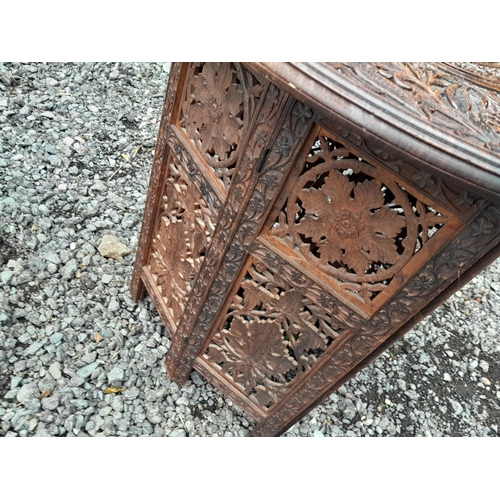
pixel 358 231
pixel 354 222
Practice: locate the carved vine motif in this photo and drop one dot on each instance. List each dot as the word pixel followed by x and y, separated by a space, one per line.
pixel 352 221
pixel 279 160
pixel 430 92
pixel 219 103
pixel 272 334
pixel 185 230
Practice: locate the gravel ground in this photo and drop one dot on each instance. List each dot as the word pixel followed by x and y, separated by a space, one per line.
pixel 76 146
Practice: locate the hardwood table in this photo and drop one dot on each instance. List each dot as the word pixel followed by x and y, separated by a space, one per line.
pixel 301 217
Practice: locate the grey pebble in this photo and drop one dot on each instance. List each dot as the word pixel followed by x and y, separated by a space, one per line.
pixel 52 257
pixel 178 433
pixel 50 402
pixel 116 374
pixel 56 337
pixel 33 348
pixel 15 381
pixel 132 393
pixel 69 269
pixel 55 371
pixel 28 393
pixel 114 305
pixel 6 276
pixel 196 378
pixel 87 370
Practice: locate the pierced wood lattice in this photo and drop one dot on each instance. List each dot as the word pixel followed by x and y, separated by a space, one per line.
pixel 338 225
pixel 271 335
pixel 220 99
pixel 353 221
pixel 185 228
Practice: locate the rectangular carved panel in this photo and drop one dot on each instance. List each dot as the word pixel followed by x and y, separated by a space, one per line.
pixel 184 231
pixel 270 335
pixel 219 102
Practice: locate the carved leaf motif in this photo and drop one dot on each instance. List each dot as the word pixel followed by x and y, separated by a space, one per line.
pixel 169 263
pixel 256 350
pixel 387 222
pixel 314 226
pixel 329 252
pixel 381 249
pixel 214 113
pixel 251 299
pixel 368 195
pixel 308 341
pixel 354 257
pixel 335 221
pixel 291 302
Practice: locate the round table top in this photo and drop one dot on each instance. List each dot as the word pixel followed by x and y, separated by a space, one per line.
pixel 445 116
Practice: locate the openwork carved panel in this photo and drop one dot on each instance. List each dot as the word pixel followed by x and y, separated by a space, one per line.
pixel 355 223
pixel 184 231
pixel 285 246
pixel 220 100
pixel 270 335
pixel 242 218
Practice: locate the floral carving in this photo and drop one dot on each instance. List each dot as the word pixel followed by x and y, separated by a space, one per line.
pixel 182 238
pixel 216 110
pixel 356 226
pixel 265 357
pixel 169 264
pixel 220 99
pixel 337 221
pixel 254 350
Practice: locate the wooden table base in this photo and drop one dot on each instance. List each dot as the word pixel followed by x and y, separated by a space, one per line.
pixel 300 218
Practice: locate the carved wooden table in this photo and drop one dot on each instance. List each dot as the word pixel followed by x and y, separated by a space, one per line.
pixel 302 217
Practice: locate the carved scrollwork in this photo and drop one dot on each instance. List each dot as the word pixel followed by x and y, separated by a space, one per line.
pixel 432 92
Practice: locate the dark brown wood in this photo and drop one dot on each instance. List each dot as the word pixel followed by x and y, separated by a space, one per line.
pixel 301 217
